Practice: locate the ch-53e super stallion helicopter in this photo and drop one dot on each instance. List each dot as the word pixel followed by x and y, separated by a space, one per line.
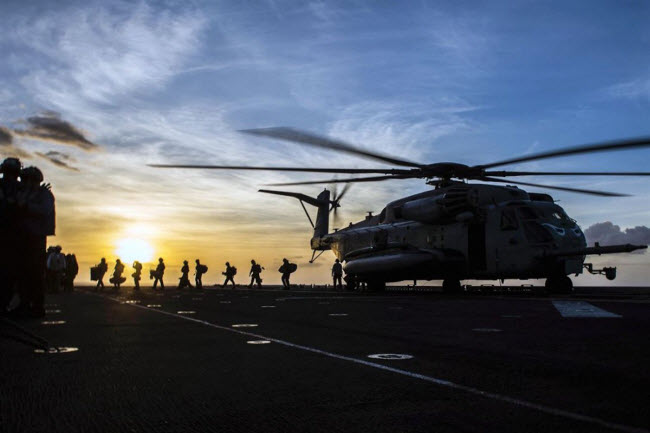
pixel 456 231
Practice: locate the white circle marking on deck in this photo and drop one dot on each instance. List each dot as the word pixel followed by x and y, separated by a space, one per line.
pixel 486 330
pixel 258 342
pixel 245 325
pixel 57 350
pixel 390 356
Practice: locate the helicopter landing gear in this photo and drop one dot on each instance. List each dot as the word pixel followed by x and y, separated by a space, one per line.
pixel 451 285
pixel 376 286
pixel 559 284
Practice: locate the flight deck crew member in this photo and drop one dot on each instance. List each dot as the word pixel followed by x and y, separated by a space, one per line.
pixel 56 267
pixel 158 274
pixel 254 273
pixel 199 271
pixel 337 274
pixel 231 271
pixel 117 274
pixel 71 271
pixel 285 270
pixel 102 268
pixel 185 279
pixel 36 209
pixel 137 266
pixel 9 238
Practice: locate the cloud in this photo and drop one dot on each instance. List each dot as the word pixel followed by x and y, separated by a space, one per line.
pixel 607 233
pixel 59 159
pixel 6 138
pixel 634 89
pixel 50 127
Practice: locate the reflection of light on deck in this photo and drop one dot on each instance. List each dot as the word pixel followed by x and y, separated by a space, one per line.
pixel 57 350
pixel 154 305
pixel 338 314
pixel 133 301
pixel 244 325
pixel 258 342
pixel 53 322
pixel 186 312
pixel 268 306
pixel 52 311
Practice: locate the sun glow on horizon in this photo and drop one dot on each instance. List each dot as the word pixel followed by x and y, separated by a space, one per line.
pixel 130 249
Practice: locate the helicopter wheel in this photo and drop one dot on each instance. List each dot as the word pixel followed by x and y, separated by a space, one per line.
pixel 560 284
pixel 376 286
pixel 450 285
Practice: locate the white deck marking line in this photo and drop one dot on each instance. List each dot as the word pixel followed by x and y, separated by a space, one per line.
pixel 581 309
pixel 468 389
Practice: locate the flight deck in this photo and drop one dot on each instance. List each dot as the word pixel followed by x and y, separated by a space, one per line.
pixel 269 360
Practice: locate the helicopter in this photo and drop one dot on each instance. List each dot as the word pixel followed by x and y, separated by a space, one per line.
pixel 456 231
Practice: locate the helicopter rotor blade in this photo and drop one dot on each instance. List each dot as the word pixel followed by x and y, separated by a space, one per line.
pixel 312 170
pixel 564 173
pixel 630 143
pixel 559 188
pixel 347 180
pixel 297 136
pixel 345 189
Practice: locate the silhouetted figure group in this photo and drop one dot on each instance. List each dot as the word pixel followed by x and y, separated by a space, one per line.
pixel 255 274
pixel 27 218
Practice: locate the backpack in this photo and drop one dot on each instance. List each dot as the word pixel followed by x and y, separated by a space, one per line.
pixel 234 270
pixel 203 269
pixel 257 268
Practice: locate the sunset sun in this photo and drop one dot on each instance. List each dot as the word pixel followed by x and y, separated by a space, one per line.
pixel 131 249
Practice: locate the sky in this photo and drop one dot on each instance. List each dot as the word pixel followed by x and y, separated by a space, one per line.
pixel 92 92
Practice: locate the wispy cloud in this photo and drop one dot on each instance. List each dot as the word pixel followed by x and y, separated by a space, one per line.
pixel 59 159
pixel 635 89
pixel 103 54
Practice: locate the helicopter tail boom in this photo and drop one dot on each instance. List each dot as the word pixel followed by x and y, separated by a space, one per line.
pixel 322 202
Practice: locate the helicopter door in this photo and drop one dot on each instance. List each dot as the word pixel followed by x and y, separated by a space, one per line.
pixel 476 246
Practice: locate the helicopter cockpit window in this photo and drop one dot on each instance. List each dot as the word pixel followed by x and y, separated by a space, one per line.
pixel 509 220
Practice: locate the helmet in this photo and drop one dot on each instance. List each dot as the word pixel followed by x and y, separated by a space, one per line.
pixel 32 173
pixel 11 166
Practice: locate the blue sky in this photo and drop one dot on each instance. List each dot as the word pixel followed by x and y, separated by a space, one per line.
pixel 471 82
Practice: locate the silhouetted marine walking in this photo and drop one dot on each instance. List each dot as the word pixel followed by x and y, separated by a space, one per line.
pixel 98 272
pixel 158 274
pixel 230 273
pixel 185 279
pixel 198 275
pixel 337 274
pixel 256 270
pixel 286 270
pixel 137 275
pixel 117 278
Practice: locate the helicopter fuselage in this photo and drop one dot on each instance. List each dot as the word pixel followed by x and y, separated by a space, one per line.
pixel 462 231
